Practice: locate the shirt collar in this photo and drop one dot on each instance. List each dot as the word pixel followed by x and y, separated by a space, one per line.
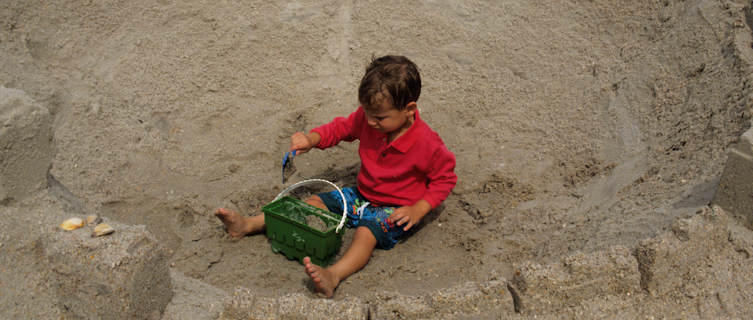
pixel 406 141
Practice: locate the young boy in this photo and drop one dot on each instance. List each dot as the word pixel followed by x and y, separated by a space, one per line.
pixel 406 170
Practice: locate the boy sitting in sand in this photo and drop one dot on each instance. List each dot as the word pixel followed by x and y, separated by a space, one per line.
pixel 406 170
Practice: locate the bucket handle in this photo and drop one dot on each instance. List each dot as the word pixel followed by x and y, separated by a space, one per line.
pixel 310 181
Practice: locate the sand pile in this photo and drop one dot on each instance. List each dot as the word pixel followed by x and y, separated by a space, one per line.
pixel 26 139
pixel 582 131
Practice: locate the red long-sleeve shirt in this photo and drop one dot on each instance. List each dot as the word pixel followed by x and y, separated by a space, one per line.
pixel 417 165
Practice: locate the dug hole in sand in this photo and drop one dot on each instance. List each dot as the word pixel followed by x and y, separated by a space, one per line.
pixel 603 153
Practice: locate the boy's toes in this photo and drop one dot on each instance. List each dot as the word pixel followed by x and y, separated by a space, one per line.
pixel 308 266
pixel 322 279
pixel 311 269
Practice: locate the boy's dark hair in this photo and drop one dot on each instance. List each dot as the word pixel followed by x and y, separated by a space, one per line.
pixel 393 75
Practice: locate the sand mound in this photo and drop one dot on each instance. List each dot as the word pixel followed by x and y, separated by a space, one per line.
pixel 26 142
pixel 581 129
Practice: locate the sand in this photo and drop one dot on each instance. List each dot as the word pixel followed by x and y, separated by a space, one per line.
pixel 577 126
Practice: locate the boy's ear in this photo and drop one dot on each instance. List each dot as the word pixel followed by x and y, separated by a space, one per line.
pixel 411 107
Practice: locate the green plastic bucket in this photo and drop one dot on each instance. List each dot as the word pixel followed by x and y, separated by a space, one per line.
pixel 290 234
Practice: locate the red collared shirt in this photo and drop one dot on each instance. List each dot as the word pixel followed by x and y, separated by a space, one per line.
pixel 417 165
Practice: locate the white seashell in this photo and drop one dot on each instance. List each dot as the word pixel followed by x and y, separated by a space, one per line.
pixel 93 219
pixel 102 229
pixel 72 224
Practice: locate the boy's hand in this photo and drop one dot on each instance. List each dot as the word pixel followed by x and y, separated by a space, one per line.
pixel 304 142
pixel 410 215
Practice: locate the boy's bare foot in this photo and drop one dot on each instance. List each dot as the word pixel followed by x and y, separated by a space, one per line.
pixel 324 280
pixel 238 226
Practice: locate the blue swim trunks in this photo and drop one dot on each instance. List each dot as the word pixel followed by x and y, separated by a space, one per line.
pixel 363 214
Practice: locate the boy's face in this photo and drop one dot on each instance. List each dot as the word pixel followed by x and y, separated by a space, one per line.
pixel 385 118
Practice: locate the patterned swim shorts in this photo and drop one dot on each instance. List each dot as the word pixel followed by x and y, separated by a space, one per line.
pixel 361 213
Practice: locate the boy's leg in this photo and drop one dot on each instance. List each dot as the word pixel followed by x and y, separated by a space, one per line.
pixel 316 202
pixel 355 258
pixel 237 225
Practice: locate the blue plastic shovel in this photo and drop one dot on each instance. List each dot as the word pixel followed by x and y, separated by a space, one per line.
pixel 287 163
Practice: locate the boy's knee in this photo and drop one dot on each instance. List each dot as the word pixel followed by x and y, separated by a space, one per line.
pixel 365 233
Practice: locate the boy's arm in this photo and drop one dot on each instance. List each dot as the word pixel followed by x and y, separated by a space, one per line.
pixel 339 129
pixel 441 176
pixel 442 179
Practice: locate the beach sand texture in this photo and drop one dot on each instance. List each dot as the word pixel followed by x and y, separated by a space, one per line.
pixel 582 130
